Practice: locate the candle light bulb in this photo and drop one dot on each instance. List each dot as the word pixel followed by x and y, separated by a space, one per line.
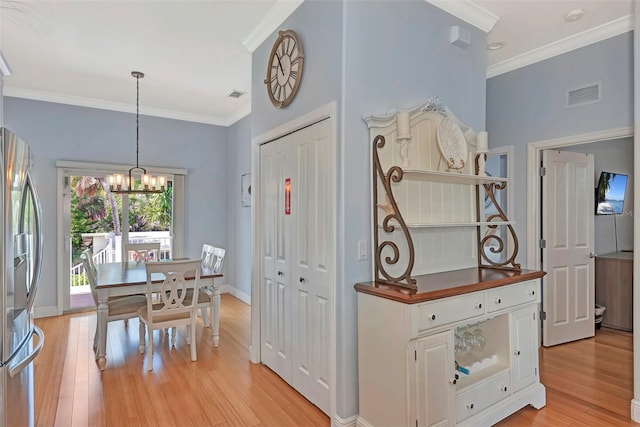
pixel 162 180
pixel 153 182
pixel 145 180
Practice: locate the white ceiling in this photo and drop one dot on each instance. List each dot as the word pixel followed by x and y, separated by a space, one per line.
pixel 194 53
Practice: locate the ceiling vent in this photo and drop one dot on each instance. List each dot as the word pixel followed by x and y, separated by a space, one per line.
pixel 236 94
pixel 584 95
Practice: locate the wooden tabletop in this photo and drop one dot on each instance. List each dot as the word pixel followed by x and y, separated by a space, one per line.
pixel 448 284
pixel 116 274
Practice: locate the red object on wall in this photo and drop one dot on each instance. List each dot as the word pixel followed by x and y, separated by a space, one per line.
pixel 287 196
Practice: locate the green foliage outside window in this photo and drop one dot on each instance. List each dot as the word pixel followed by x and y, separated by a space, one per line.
pixel 93 207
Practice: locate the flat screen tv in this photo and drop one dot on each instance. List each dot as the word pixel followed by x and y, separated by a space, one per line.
pixel 610 193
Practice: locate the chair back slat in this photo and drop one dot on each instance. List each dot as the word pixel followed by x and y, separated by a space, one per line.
pixel 142 252
pixel 212 257
pixel 90 271
pixel 179 277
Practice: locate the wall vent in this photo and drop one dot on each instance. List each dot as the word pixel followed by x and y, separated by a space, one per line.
pixel 584 95
pixel 236 94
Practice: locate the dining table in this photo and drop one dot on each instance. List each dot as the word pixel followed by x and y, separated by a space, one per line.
pixel 117 279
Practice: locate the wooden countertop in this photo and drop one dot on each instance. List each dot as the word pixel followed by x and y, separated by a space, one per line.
pixel 623 255
pixel 448 284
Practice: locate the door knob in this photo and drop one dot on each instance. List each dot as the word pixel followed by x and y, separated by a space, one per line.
pixel 592 255
pixel 280 273
pixel 301 280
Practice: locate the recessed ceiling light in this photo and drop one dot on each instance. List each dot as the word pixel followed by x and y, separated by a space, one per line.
pixel 495 46
pixel 574 15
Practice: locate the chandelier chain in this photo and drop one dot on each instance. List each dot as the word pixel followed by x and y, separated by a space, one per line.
pixel 137 117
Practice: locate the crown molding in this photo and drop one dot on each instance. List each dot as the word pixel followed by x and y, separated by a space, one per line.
pixel 58 98
pixel 4 67
pixel 280 11
pixel 575 41
pixel 469 12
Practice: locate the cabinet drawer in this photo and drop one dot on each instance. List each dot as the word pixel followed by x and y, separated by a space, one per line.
pixel 509 296
pixel 437 313
pixel 477 398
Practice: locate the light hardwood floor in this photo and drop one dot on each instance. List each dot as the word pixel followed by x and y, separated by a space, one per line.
pixel 589 382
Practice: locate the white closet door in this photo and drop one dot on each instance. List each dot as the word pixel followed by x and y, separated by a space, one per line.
pixel 312 212
pixel 276 294
pixel 298 248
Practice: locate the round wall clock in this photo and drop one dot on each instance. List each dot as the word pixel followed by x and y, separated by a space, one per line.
pixel 284 69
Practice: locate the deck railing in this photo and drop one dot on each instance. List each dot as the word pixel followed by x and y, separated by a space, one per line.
pixel 112 252
pixel 78 278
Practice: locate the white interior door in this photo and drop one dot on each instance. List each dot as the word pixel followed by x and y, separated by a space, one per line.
pixel 276 296
pixel 298 253
pixel 568 291
pixel 313 254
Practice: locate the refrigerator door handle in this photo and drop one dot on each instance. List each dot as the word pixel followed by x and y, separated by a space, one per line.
pixel 38 242
pixel 15 370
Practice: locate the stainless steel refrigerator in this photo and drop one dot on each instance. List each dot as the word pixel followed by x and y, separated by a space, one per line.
pixel 20 266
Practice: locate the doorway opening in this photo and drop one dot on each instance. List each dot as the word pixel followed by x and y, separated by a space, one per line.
pixel 100 221
pixel 605 145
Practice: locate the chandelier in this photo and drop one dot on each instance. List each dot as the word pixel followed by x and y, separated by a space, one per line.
pixel 119 183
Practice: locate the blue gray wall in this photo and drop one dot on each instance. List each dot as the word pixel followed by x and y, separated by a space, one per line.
pixel 238 259
pixel 527 105
pixel 64 132
pixel 370 57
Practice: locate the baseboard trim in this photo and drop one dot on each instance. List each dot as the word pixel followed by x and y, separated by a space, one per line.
pixel 242 296
pixel 361 422
pixel 635 410
pixel 40 312
pixel 344 422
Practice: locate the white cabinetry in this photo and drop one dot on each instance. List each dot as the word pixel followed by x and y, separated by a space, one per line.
pixel 435 376
pixel 447 331
pixel 407 365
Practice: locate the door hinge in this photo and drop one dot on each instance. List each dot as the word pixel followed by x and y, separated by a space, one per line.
pixel 543 243
pixel 66 182
pixel 543 171
pixel 416 423
pixel 535 371
pixel 415 355
pixel 534 316
pixel 543 315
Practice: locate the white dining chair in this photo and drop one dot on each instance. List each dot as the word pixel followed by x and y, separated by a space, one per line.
pixel 175 305
pixel 142 252
pixel 118 308
pixel 212 258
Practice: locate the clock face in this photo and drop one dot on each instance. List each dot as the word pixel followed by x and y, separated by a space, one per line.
pixel 284 69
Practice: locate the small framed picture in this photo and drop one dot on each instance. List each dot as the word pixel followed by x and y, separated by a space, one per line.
pixel 245 190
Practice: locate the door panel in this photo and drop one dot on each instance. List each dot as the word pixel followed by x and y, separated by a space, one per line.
pixel 276 300
pixel 311 211
pixel 567 228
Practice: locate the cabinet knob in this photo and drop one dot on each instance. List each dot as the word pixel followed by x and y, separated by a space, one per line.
pixel 532 292
pixel 453 381
pixel 433 317
pixel 280 273
pixel 470 405
pixel 517 352
pixel 301 280
pixel 498 300
pixel 503 388
pixel 479 305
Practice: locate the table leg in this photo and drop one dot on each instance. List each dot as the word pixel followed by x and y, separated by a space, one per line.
pixel 103 309
pixel 215 316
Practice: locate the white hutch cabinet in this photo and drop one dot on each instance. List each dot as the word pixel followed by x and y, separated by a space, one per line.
pixel 448 329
